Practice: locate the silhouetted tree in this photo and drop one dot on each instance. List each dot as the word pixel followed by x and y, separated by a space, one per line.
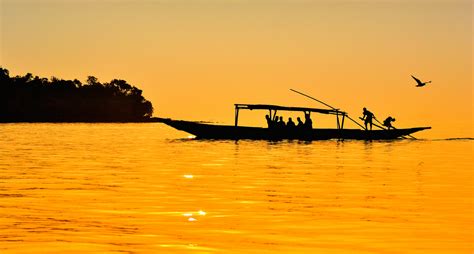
pixel 33 99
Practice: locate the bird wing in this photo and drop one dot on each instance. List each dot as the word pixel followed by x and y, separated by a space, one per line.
pixel 417 80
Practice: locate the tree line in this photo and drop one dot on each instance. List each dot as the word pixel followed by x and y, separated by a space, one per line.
pixel 31 98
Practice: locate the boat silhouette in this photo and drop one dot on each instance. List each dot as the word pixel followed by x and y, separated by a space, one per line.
pixel 204 130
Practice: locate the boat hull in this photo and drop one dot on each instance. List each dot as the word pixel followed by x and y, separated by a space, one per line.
pixel 211 131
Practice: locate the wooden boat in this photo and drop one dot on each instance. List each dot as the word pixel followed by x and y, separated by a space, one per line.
pixel 234 132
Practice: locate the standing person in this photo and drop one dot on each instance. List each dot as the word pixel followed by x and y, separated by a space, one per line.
pixel 269 121
pixel 367 117
pixel 308 123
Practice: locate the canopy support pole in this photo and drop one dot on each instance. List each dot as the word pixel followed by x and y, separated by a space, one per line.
pixel 342 124
pixel 236 116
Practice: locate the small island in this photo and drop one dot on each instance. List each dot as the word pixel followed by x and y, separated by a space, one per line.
pixel 31 98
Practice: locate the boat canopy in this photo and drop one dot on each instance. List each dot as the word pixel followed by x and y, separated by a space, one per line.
pixel 273 109
pixel 284 108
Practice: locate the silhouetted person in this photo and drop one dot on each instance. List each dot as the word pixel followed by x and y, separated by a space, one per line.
pixel 388 122
pixel 367 117
pixel 300 123
pixel 281 123
pixel 419 83
pixel 275 120
pixel 290 125
pixel 270 123
pixel 308 123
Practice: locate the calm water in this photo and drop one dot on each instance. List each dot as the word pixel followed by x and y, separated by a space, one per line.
pixel 146 188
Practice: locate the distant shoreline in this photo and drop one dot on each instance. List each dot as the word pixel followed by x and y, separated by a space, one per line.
pixel 35 99
pixel 150 120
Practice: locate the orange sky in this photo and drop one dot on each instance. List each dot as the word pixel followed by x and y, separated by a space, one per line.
pixel 195 58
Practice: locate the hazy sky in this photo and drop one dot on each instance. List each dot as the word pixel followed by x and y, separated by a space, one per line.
pixel 194 59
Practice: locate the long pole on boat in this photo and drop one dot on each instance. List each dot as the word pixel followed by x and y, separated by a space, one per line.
pixel 327 105
pixel 379 123
pixel 374 124
pixel 392 127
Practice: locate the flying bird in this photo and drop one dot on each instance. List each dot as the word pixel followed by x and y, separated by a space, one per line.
pixel 419 83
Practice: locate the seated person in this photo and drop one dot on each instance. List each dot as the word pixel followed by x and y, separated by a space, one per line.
pixel 300 123
pixel 290 124
pixel 281 123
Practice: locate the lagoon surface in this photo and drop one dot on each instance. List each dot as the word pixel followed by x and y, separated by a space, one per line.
pixel 146 188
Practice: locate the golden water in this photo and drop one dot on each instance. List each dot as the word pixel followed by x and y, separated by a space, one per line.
pixel 145 188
